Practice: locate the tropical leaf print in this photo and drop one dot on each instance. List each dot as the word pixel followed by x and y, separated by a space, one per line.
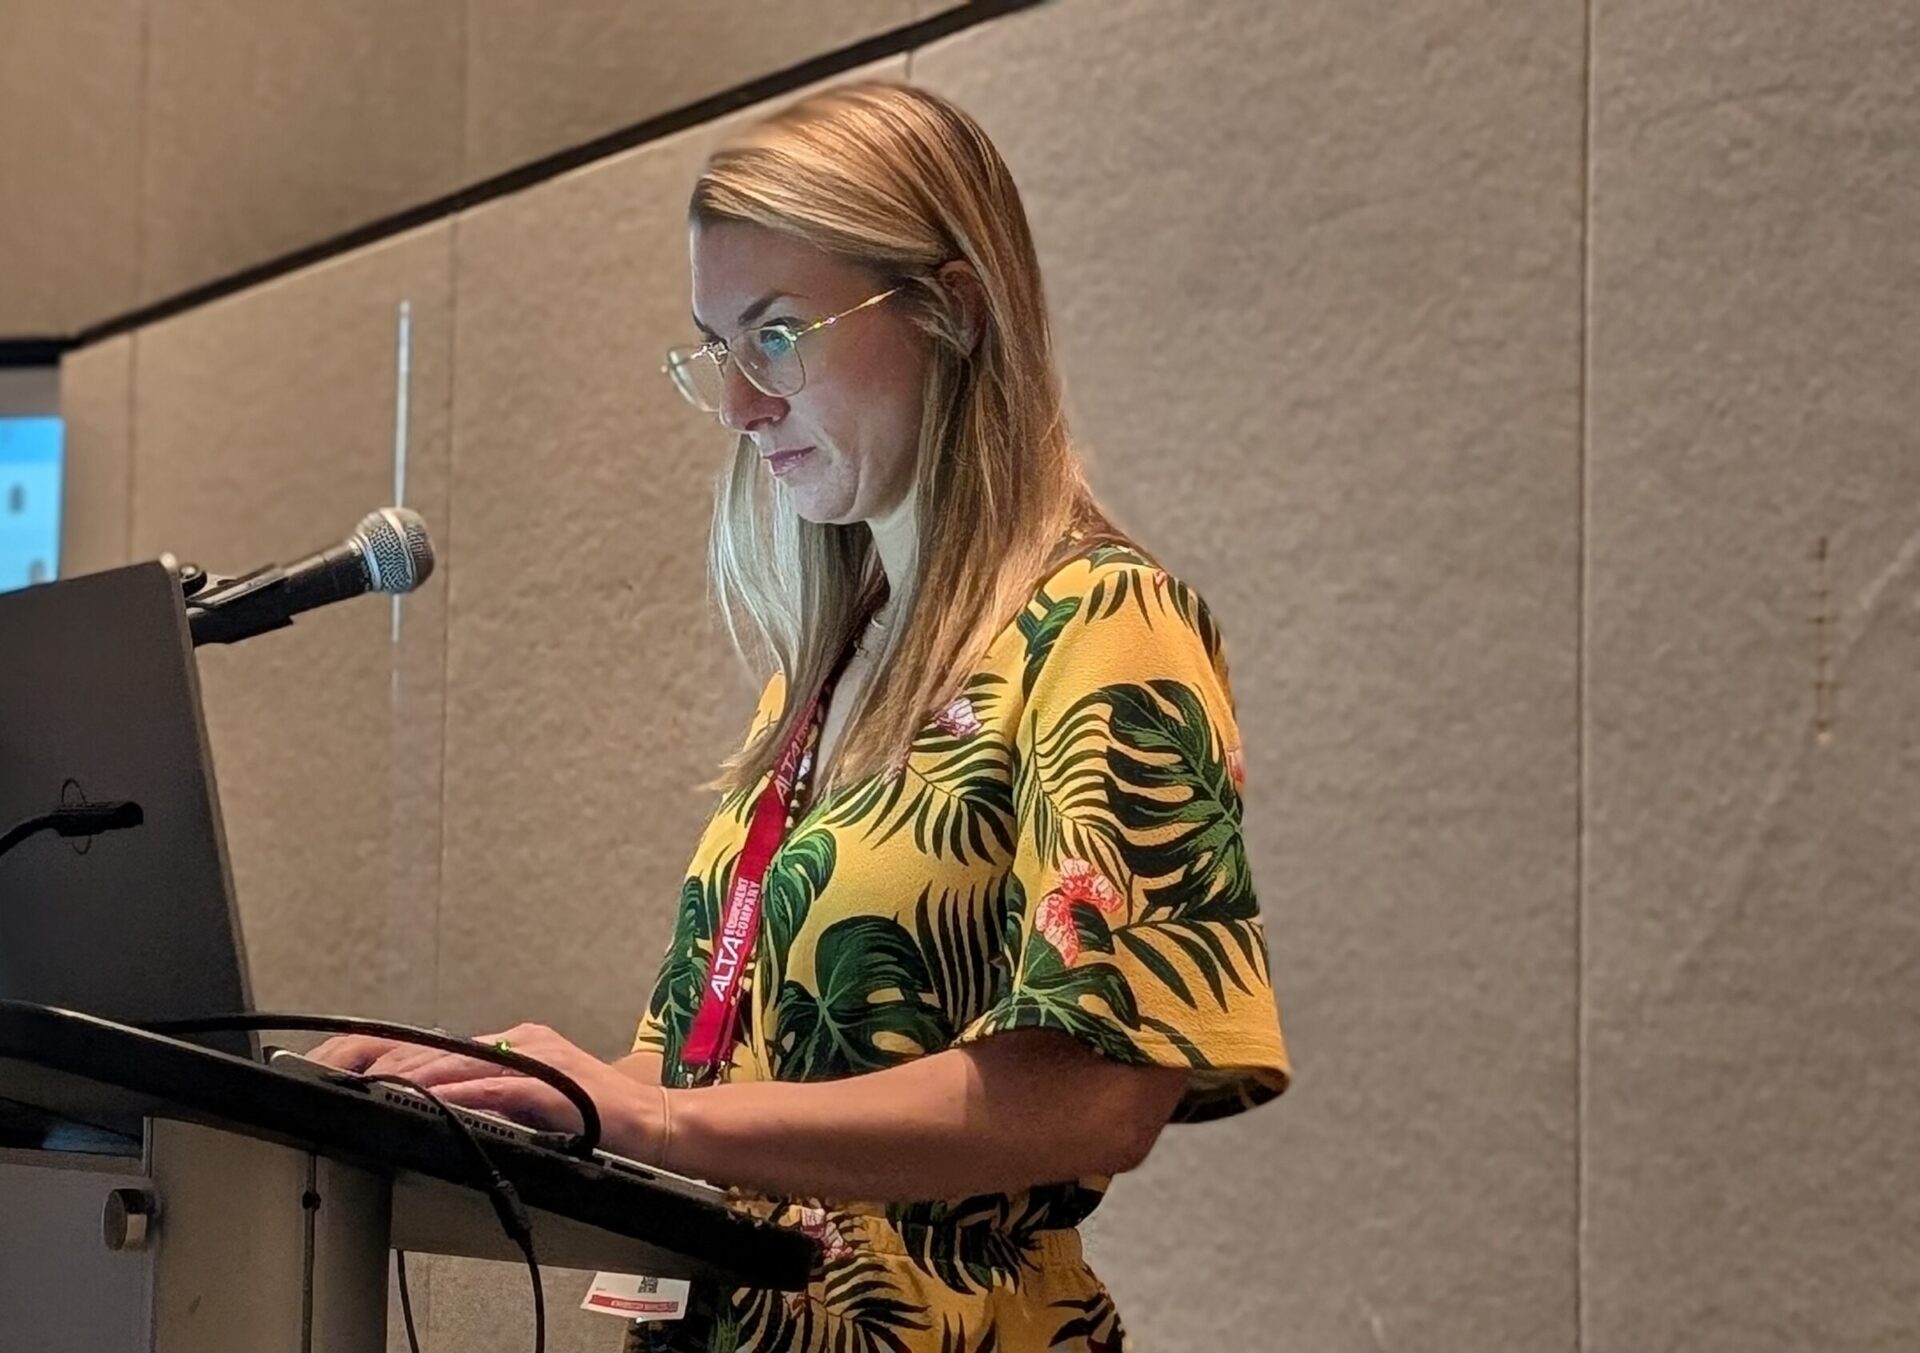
pixel 960 943
pixel 795 877
pixel 953 1339
pixel 1174 794
pixel 1050 994
pixel 1061 787
pixel 860 1309
pixel 1192 610
pixel 683 977
pixel 952 791
pixel 977 1244
pixel 868 982
pixel 1112 592
pixel 1106 554
pixel 1041 631
pixel 1091 1323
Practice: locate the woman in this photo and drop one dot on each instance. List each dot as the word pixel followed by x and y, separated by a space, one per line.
pixel 1004 929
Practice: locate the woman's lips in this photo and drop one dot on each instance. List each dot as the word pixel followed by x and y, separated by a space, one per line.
pixel 782 462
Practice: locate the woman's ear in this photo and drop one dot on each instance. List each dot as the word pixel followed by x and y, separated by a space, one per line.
pixel 960 281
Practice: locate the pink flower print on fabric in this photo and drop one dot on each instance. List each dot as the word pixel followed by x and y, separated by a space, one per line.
pixel 826 1233
pixel 1079 881
pixel 958 719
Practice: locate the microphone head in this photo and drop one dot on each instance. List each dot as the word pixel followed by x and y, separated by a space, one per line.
pixel 393 542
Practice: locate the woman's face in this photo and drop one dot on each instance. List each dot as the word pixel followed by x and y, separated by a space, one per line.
pixel 856 422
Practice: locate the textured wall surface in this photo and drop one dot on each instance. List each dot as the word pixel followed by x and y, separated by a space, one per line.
pixel 1533 402
pixel 70 78
pixel 155 146
pixel 1753 779
pixel 269 127
pixel 543 77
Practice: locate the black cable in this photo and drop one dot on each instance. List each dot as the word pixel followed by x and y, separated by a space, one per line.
pixel 406 1301
pixel 506 1206
pixel 582 1143
pixel 75 819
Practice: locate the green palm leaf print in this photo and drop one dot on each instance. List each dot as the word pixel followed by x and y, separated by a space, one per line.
pixel 976 1244
pixel 959 936
pixel 868 981
pixel 1062 789
pixel 952 792
pixel 684 974
pixel 796 876
pixel 1051 995
pixel 1041 631
pixel 1176 800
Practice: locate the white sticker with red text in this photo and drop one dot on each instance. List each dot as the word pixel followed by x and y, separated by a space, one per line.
pixel 637 1297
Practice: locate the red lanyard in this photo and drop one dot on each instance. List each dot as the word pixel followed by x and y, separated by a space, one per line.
pixel 710 1041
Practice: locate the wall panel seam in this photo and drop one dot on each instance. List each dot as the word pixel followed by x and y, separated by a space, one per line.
pixel 709 109
pixel 1581 676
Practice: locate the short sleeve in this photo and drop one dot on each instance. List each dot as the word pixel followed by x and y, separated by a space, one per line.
pixel 1132 922
pixel 682 965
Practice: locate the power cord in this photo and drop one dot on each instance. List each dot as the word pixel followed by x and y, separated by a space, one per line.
pixel 406 1300
pixel 506 1206
pixel 75 820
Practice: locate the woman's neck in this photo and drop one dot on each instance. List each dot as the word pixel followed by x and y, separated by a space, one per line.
pixel 896 539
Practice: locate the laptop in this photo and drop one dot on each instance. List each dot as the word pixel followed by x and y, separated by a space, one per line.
pixel 100 702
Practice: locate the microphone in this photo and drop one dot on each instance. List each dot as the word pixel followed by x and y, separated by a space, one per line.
pixel 388 552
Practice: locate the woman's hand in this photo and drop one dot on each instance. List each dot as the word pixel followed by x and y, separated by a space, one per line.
pixel 632 1114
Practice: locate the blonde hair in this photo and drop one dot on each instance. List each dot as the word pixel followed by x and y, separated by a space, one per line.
pixel 898 181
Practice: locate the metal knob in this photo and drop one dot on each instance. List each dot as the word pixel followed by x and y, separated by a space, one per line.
pixel 128 1218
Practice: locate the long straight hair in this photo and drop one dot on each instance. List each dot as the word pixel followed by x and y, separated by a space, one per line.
pixel 899 182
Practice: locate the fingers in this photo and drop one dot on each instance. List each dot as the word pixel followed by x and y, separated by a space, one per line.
pixel 520 1098
pixel 371 1056
pixel 402 1059
pixel 446 1068
pixel 352 1052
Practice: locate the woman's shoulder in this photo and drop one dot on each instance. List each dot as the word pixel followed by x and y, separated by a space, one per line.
pixel 1107 612
pixel 1119 593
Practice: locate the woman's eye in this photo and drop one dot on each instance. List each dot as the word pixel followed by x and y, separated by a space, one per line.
pixel 776 342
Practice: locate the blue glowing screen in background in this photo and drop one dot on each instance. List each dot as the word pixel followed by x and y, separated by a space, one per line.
pixel 29 500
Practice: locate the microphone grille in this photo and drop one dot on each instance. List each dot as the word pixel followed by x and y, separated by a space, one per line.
pixel 398 553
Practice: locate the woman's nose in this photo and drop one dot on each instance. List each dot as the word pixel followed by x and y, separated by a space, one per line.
pixel 744 406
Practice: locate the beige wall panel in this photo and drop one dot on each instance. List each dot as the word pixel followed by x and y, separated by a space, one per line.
pixel 96 400
pixel 268 428
pixel 1316 277
pixel 70 75
pixel 543 77
pixel 1753 717
pixel 277 125
pixel 487 1307
pixel 588 691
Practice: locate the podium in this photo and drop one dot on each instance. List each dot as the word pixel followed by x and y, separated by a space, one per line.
pixel 159 1196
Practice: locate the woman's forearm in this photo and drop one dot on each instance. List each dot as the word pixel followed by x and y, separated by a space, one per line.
pixel 1009 1112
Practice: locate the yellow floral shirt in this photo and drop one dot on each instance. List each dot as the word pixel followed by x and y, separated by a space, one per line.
pixel 1061 849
